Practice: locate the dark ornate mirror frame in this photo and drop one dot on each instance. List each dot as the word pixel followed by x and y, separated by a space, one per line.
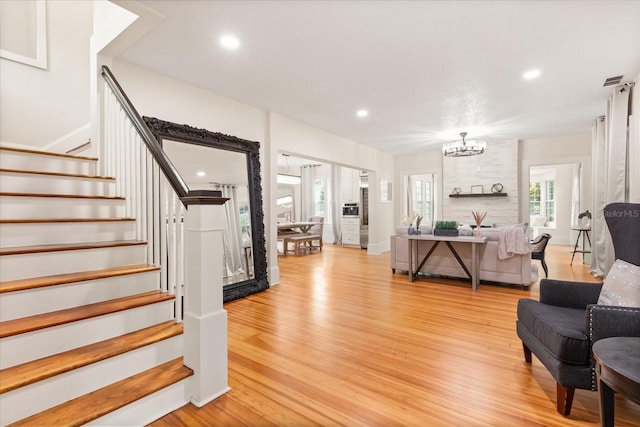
pixel 190 135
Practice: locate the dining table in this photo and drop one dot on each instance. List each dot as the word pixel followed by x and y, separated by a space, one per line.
pixel 286 229
pixel 301 226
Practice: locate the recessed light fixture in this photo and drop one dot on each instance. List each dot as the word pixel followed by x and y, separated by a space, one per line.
pixel 229 42
pixel 531 74
pixel 201 173
pixel 362 113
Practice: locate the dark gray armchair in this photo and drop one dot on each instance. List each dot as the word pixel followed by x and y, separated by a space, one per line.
pixel 561 328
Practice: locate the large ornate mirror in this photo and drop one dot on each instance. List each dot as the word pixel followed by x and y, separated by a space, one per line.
pixel 214 161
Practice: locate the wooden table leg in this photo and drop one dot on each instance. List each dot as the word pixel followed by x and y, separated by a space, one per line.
pixel 607 404
pixel 474 267
pixel 410 260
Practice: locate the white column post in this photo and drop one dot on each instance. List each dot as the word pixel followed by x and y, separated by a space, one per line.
pixel 205 319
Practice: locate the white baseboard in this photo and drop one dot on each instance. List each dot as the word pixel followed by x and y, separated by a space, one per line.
pixel 211 399
pixel 274 275
pixel 72 140
pixel 67 144
pixel 378 248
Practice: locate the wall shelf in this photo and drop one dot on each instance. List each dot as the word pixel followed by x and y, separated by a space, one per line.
pixel 478 195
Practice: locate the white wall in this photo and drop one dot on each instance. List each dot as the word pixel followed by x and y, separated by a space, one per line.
pixel 40 106
pixel 167 99
pixel 544 151
pixel 159 96
pixel 302 140
pixel 498 164
pixel 558 151
pixel 560 229
pixel 428 162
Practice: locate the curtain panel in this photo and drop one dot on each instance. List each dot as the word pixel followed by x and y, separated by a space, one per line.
pixel 307 192
pixel 232 233
pixel 610 163
pixel 336 209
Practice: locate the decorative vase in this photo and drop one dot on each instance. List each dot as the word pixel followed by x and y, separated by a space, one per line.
pixel 411 230
pixel 477 232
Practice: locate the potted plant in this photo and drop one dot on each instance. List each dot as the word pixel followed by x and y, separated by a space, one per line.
pixel 446 228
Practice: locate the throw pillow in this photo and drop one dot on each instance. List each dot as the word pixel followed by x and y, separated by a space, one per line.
pixel 465 230
pixel 538 221
pixel 622 285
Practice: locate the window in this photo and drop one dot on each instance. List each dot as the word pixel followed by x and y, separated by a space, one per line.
pixel 420 196
pixel 320 196
pixel 245 218
pixel 534 199
pixel 550 201
pixel 542 200
pixel 244 210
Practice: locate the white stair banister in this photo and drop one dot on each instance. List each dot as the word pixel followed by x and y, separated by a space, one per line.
pixel 204 316
pixel 160 200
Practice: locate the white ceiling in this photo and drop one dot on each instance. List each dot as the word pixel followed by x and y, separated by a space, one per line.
pixel 426 70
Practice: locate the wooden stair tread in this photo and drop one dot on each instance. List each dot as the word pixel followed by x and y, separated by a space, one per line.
pixel 47 367
pixel 68 247
pixel 61 196
pixel 48 153
pixel 67 175
pixel 81 276
pixel 46 320
pixel 49 220
pixel 98 403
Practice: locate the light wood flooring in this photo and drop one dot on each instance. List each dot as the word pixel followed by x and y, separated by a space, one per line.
pixel 343 341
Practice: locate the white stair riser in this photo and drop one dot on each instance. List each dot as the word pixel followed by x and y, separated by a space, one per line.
pixel 146 410
pixel 54 207
pixel 14 305
pixel 34 398
pixel 43 163
pixel 13 235
pixel 22 348
pixel 14 267
pixel 48 184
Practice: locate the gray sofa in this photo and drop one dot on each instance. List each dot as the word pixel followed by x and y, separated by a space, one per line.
pixel 516 270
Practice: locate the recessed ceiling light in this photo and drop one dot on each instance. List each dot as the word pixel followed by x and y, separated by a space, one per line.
pixel 531 74
pixel 362 113
pixel 229 42
pixel 201 173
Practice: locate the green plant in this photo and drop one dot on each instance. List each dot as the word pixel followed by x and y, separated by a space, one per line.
pixel 447 225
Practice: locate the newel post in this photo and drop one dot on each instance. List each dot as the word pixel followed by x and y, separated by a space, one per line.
pixel 205 319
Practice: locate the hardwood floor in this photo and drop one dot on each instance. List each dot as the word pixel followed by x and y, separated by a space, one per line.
pixel 343 341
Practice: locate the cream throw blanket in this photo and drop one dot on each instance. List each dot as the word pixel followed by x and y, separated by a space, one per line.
pixel 512 241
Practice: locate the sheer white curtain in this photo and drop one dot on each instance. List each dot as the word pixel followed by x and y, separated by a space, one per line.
pixel 307 191
pixel 232 234
pixel 575 195
pixel 610 157
pixel 409 196
pixel 336 208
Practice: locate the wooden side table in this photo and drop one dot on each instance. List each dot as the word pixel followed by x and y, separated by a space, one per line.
pixel 618 371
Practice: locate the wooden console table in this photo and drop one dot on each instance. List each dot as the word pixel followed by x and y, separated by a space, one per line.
pixel 474 241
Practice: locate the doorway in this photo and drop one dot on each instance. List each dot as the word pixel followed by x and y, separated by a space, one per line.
pixel 554 200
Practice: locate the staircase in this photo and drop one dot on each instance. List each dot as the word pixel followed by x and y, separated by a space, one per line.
pixel 86 334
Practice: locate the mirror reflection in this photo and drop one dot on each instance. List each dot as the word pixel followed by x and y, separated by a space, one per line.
pixel 207 168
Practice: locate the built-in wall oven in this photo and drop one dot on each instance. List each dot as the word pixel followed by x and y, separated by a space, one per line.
pixel 351 209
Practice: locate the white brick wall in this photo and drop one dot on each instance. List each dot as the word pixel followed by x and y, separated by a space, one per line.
pixel 499 163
